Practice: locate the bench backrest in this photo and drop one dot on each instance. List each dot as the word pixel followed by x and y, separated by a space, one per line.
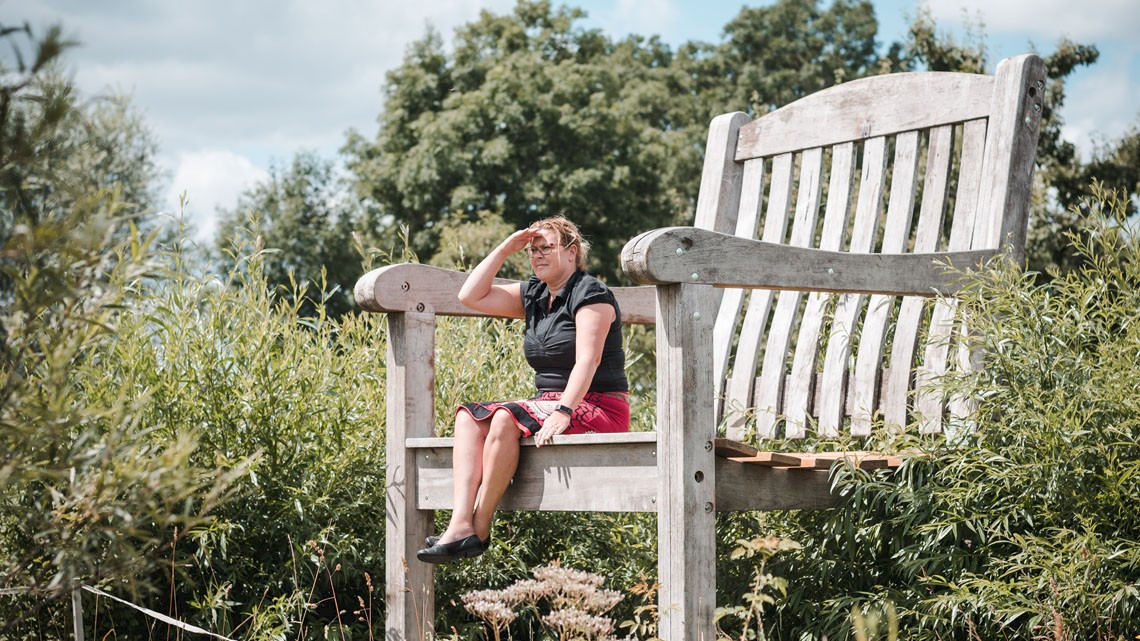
pixel 894 164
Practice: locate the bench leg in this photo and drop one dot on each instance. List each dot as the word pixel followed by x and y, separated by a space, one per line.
pixel 686 509
pixel 409 588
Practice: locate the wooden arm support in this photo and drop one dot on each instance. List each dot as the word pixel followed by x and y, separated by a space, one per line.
pixel 693 255
pixel 413 287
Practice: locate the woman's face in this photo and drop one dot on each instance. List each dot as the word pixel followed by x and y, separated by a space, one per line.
pixel 551 262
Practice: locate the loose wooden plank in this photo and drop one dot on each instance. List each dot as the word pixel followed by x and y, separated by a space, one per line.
pixel 820 460
pixel 726 447
pixel 868 108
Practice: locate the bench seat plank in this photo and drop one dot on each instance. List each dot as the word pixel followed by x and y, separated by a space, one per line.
pixel 617 477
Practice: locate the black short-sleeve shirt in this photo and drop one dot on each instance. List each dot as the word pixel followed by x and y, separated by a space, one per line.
pixel 549 340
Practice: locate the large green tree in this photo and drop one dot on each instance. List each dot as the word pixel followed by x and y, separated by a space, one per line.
pixel 530 116
pixel 304 216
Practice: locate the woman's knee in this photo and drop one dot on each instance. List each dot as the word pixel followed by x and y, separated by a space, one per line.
pixel 503 427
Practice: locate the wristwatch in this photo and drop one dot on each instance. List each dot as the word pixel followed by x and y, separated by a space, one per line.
pixel 565 410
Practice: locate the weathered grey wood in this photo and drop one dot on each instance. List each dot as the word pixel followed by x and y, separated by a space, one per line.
pixel 719 199
pixel 780 330
pixel 739 489
pixel 413 287
pixel 869 358
pixel 897 388
pixel 868 108
pixel 1011 145
pixel 867 209
pixel 409 587
pixel 928 400
pixel 747 223
pixel 567 477
pixel 755 264
pixel 740 386
pixel 687 484
pixel 797 404
pixel 595 477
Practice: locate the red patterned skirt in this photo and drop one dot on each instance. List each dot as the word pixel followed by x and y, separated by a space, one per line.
pixel 598 412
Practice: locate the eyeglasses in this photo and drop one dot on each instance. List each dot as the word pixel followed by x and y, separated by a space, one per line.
pixel 545 250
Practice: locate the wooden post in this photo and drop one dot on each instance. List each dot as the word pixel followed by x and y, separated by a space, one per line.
pixel 686 492
pixel 409 588
pixel 77 613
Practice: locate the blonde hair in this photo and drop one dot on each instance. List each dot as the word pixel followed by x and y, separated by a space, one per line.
pixel 568 236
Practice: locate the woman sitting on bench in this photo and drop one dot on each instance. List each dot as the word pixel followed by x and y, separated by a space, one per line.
pixel 573 341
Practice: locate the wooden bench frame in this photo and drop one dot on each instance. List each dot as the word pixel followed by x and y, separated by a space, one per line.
pixel 675 472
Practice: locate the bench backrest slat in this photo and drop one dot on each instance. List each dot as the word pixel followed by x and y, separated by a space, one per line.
pixel 917 162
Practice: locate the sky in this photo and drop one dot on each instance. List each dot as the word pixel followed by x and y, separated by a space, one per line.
pixel 232 87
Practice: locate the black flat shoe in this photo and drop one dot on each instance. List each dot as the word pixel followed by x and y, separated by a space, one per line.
pixel 432 540
pixel 465 548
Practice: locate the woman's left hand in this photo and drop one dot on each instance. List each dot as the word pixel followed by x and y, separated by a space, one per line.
pixel 554 425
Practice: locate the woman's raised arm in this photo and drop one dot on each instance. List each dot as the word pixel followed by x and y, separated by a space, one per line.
pixel 479 291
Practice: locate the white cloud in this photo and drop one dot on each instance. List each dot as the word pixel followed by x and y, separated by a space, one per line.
pixel 1100 106
pixel 209 179
pixel 260 78
pixel 1085 20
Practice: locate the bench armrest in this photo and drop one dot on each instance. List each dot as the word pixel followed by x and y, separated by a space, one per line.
pixel 414 287
pixel 693 255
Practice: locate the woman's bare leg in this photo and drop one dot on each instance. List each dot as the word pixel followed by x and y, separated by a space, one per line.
pixel 500 459
pixel 467 470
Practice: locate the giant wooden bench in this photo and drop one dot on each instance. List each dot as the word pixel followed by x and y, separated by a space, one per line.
pixel 768 317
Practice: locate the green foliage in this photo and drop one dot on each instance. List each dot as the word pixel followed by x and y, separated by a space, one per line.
pixel 258 380
pixel 305 219
pixel 530 116
pixel 88 491
pixel 778 53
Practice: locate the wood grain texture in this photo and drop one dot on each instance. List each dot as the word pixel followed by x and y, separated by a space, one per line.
pixel 863 233
pixel 783 320
pixel 868 108
pixel 897 387
pixel 414 287
pixel 1011 149
pixel 409 587
pixel 728 316
pixel 896 231
pixel 740 386
pixel 726 261
pixel 798 404
pixel 686 482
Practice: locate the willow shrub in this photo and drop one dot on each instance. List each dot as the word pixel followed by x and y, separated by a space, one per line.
pixel 1026 526
pixel 298 401
pixel 89 492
